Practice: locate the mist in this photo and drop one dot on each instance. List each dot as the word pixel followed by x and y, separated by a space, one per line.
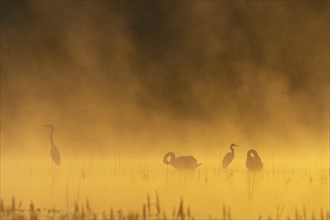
pixel 150 77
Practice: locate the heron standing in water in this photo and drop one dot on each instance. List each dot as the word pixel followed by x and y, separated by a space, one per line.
pixel 54 152
pixel 183 162
pixel 253 161
pixel 229 156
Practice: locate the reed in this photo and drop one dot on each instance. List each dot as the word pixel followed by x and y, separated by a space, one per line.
pixel 147 213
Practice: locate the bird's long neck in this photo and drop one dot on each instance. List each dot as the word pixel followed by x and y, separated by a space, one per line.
pixel 232 149
pixel 51 137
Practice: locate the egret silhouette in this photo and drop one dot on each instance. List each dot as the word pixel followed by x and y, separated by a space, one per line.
pixel 182 162
pixel 253 161
pixel 54 152
pixel 229 156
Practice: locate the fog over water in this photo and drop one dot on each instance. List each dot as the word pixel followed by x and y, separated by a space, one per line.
pixel 150 77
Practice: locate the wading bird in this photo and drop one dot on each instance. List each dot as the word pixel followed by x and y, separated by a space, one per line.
pixel 183 162
pixel 229 156
pixel 54 153
pixel 253 161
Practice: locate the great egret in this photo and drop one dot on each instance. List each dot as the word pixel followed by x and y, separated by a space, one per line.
pixel 229 156
pixel 54 152
pixel 183 162
pixel 253 161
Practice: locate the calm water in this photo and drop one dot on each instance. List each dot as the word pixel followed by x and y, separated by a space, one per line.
pixel 125 184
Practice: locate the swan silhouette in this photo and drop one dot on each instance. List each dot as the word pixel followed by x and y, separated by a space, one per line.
pixel 229 157
pixel 182 162
pixel 253 161
pixel 54 152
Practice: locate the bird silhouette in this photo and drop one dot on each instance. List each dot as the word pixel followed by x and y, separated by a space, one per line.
pixel 229 157
pixel 182 162
pixel 54 152
pixel 253 161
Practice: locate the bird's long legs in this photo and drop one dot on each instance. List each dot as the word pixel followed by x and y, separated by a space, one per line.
pixel 53 187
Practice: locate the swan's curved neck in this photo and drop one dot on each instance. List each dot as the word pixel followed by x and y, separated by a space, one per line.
pixel 253 154
pixel 172 158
